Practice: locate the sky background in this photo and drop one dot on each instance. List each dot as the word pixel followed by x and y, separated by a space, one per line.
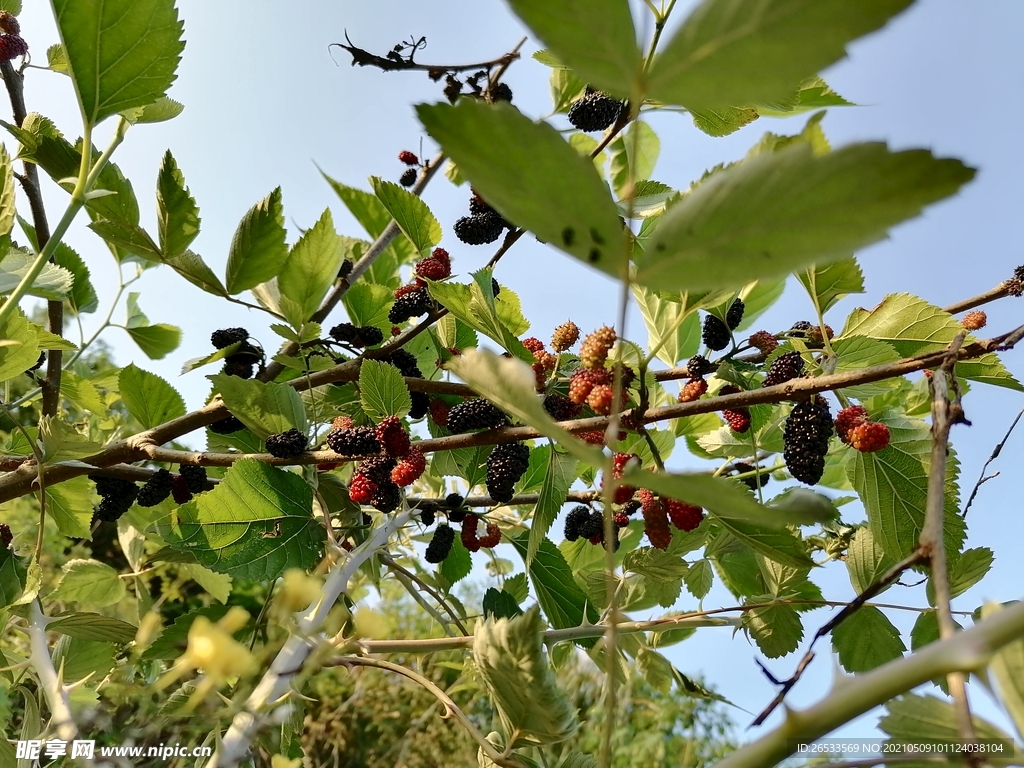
pixel 265 103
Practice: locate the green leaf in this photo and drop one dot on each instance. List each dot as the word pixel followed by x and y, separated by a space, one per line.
pixel 674 340
pixel 410 213
pixel 858 352
pixel 926 720
pixel 311 269
pixel 78 659
pixel 265 408
pixel 177 212
pixel 734 52
pixel 866 639
pixel 61 441
pixel 70 506
pixel 368 304
pixel 255 524
pixel 159 111
pixel 655 564
pixel 925 630
pixel 530 174
pixel 382 390
pixel 636 151
pixel 722 121
pixel 510 659
pixel 53 282
pixel 93 626
pixel 499 604
pixel 775 628
pixel 82 393
pixel 893 485
pixel 566 87
pixel 192 267
pixel 120 53
pixel 594 38
pixel 218 585
pixel 457 565
pixel 149 398
pixel 7 210
pixel 832 282
pixel 90 582
pixel 258 248
pixel 12 577
pixel 1007 666
pixel 866 561
pixel 82 297
pixel 19 356
pixel 558 476
pixel 913 326
pixel 476 305
pixel 969 569
pixel 563 602
pixel 157 341
pixel 776 212
pixel 699 578
pixel 814 93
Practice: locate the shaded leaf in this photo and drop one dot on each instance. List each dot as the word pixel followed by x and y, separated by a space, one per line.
pixel 148 397
pixel 90 582
pixel 563 602
pixel 866 639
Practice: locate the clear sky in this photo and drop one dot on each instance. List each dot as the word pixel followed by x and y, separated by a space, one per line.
pixel 265 102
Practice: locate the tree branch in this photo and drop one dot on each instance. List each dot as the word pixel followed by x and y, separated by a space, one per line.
pixel 56 694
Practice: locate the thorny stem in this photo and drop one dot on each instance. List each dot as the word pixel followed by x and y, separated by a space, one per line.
pixel 56 694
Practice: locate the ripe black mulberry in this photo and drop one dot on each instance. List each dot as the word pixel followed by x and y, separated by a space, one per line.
pixel 783 368
pixel 286 444
pixel 475 414
pixel 156 489
pixel 734 316
pixel 574 521
pixel 195 477
pixel 441 544
pixel 356 441
pixel 716 334
pixel 505 465
pixel 225 337
pixel 480 228
pixel 594 112
pixel 805 440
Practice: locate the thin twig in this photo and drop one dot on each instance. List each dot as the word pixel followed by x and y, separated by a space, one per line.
pixel 390 563
pixel 995 454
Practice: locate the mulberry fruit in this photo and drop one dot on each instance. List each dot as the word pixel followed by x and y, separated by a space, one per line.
pixel 439 411
pixel 405 362
pixel 574 522
pixel 734 316
pixel 764 342
pixel 692 390
pixel 180 491
pixel 600 399
pixel 241 370
pixel 475 414
pixel 715 334
pixel 377 468
pixel 409 468
pixel 800 328
pixel 630 507
pixel 453 501
pixel 685 517
pixel 783 368
pixel 286 444
pixel 345 269
pixel 355 441
pixel 6 537
pixel 226 426
pixel 738 419
pixel 420 405
pixel 342 422
pixel 594 112
pixel 479 229
pixel 656 526
pixel 407 157
pixel 560 407
pixel 805 439
pixel 440 544
pixel 433 268
pixel 847 419
pixel 452 88
pixel 427 516
pixel 565 336
pixel 698 366
pixel 195 477
pixel 109 510
pixel 387 498
pixel 501 92
pixel 156 489
pixel 583 380
pixel 591 438
pixel 9 23
pixel 533 344
pixel 593 526
pixel 361 489
pixel 12 46
pixel 116 497
pixel 623 493
pixel 225 337
pixel 491 538
pixel 817 334
pixel 409 305
pixel 595 347
pixel 357 335
pixel 974 321
pixel 393 437
pixel 505 465
pixel 408 177
pixel 869 437
pixel 470 538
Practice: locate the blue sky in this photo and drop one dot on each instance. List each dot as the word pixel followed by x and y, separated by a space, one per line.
pixel 265 104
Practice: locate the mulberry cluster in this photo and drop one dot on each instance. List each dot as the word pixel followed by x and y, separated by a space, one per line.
pixel 408 470
pixel 575 521
pixel 225 337
pixel 870 437
pixel 410 304
pixel 565 336
pixel 692 390
pixel 156 489
pixel 241 361
pixel 377 468
pixel 226 426
pixel 583 381
pixel 479 229
pixel 715 333
pixel 847 419
pixel 440 544
pixel 595 348
pixel 698 366
pixel 783 368
pixel 805 440
pixel 560 407
pixel 437 266
pixel 738 419
pixel 734 315
pixel 12 44
pixel 764 342
pixel 357 335
pixel 656 525
pixel 194 477
pixel 685 517
pixel 393 437
pixel 505 465
pixel 387 498
pixel 116 497
pixel 354 441
pixel 361 489
pixel 595 111
pixel 286 444
pixel 405 362
pixel 475 414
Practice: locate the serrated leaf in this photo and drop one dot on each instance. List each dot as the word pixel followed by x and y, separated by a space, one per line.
pixel 699 578
pixel 1007 666
pixel 81 393
pixel 61 441
pixel 382 390
pixel 161 110
pixel 258 249
pixel 925 630
pixel 775 628
pixel 866 639
pixel 476 305
pixel 734 52
pixel 530 174
pixel 563 602
pixel 93 626
pixel 558 476
pixel 410 213
pixel 311 269
pixel 457 565
pixel 12 577
pixel 595 38
pixel 926 719
pixel 723 120
pixel 831 282
pixel 82 297
pixel 70 506
pixel 673 338
pixel 177 213
pixel 510 659
pixel 53 282
pixel 148 397
pixel 893 485
pixel 265 408
pixel 192 267
pixel 633 156
pixel 969 569
pixel 218 585
pixel 78 659
pixel 255 524
pixel 566 86
pixel 90 582
pixel 912 326
pixel 654 564
pixel 776 212
pixel 857 352
pixel 499 604
pixel 649 200
pixel 866 561
pixel 814 93
pixel 120 53
pixel 518 587
pixel 156 341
